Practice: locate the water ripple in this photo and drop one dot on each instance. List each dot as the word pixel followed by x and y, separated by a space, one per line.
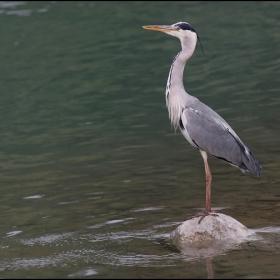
pixel 22 13
pixel 147 209
pixel 47 239
pixel 33 197
pixel 12 233
pixel 11 4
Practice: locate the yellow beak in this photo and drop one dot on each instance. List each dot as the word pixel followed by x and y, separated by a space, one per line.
pixel 163 28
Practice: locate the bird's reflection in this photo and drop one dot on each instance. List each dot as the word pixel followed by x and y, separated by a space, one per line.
pixel 209 268
pixel 207 251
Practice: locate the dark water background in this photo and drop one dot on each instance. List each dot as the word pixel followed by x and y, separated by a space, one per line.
pixel 93 180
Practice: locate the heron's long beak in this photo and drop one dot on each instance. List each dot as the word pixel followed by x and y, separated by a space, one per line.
pixel 163 28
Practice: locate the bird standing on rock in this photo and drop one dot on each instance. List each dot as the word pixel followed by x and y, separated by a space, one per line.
pixel 204 129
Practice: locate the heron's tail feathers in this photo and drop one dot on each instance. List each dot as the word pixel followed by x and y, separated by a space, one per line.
pixel 250 163
pixel 248 160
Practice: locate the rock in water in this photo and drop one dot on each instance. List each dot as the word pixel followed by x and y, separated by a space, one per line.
pixel 212 229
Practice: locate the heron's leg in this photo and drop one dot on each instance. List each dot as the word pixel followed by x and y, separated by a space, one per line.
pixel 208 179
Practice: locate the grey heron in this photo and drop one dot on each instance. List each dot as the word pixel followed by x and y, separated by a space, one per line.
pixel 204 129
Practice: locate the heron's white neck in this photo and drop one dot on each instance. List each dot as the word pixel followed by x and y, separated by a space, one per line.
pixel 175 92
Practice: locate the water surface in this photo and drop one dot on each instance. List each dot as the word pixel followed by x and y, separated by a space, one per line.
pixel 93 178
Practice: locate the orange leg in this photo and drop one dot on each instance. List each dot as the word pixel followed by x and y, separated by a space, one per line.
pixel 208 179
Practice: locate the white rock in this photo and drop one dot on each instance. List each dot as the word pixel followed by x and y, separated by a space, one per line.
pixel 213 235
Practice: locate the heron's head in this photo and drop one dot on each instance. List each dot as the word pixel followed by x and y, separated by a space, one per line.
pixel 181 30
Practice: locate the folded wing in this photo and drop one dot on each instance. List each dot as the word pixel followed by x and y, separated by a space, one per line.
pixel 211 133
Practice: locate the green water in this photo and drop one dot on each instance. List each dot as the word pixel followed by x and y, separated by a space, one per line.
pixel 93 179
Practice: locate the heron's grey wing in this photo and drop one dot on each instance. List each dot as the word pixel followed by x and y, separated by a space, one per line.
pixel 211 133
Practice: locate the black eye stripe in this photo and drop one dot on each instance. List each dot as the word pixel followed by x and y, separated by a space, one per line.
pixel 185 26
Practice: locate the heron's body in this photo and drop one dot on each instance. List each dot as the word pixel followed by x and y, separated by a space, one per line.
pixel 201 126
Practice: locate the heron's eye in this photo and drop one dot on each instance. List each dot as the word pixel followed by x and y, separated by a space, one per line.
pixel 177 28
pixel 185 26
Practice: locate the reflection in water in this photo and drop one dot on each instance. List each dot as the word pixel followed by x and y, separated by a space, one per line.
pixel 209 268
pixel 208 250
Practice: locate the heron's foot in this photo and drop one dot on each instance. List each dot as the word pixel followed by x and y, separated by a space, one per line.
pixel 203 215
